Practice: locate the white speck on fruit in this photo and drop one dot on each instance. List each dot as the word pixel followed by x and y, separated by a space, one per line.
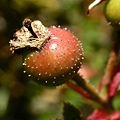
pixel 39 74
pixel 73 36
pixel 76 60
pixel 71 67
pixel 78 67
pixel 82 58
pixel 24 71
pixel 53 47
pixel 73 50
pixel 72 58
pixel 74 71
pixel 65 60
pixel 40 65
pixel 65 28
pixel 45 81
pixel 49 74
pixel 63 75
pixel 67 67
pixel 29 75
pixel 77 45
pixel 81 63
pixel 53 26
pixel 24 63
pixel 54 77
pixel 61 68
pixel 69 73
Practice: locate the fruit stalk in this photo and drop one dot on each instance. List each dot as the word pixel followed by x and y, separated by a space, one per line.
pixel 96 96
pixel 108 77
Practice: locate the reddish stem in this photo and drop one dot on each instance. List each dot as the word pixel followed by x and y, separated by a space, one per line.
pixel 112 59
pixel 78 89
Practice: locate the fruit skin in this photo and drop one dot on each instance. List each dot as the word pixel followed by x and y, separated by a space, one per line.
pixel 112 12
pixel 58 61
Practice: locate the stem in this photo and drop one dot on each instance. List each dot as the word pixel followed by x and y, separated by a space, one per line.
pixel 112 59
pixel 111 63
pixel 96 96
pixel 78 89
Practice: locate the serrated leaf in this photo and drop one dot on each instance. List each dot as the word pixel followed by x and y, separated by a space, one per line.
pixel 70 112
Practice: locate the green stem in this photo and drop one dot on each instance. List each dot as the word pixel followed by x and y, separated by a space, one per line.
pixel 93 93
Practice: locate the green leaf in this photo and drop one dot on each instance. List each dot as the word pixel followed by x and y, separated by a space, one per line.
pixel 70 112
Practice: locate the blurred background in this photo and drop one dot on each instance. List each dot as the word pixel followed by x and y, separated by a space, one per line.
pixel 22 99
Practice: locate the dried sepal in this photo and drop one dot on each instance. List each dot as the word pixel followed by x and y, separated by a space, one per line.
pixel 25 37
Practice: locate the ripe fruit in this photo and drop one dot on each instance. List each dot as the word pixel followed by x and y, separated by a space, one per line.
pixel 112 12
pixel 57 61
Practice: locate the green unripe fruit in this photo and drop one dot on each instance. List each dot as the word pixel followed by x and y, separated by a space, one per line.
pixel 112 12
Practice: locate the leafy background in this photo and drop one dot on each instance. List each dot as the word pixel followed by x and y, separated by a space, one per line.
pixel 22 99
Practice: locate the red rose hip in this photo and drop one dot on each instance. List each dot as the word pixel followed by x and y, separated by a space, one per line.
pixel 57 61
